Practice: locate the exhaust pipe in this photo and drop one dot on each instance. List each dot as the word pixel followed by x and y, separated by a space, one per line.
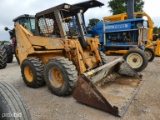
pixel 130 9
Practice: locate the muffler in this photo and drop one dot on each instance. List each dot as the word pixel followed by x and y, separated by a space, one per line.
pixel 110 87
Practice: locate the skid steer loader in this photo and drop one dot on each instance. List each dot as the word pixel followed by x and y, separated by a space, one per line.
pixel 68 61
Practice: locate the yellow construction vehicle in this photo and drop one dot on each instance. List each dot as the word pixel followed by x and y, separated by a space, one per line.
pixel 64 62
pixel 154 44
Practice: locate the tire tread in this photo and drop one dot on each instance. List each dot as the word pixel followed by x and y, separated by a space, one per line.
pixel 3 57
pixel 39 67
pixel 14 101
pixel 70 69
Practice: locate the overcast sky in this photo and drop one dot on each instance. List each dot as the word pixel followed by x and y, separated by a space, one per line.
pixel 9 9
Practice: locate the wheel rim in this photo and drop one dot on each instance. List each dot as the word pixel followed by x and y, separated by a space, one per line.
pixel 148 53
pixel 28 73
pixel 135 60
pixel 55 77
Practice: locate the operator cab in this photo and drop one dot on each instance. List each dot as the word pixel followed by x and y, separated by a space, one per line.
pixel 26 20
pixel 65 20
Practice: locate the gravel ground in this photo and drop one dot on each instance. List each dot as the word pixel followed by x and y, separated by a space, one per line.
pixel 45 106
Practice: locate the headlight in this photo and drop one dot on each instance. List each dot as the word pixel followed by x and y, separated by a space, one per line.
pixel 67 6
pixel 145 24
pixel 139 24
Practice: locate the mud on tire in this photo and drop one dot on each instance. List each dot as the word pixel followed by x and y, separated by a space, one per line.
pixel 32 72
pixel 65 83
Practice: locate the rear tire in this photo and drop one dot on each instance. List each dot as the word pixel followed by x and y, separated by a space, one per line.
pixel 60 75
pixel 137 59
pixel 150 54
pixel 12 106
pixel 9 53
pixel 3 57
pixel 32 72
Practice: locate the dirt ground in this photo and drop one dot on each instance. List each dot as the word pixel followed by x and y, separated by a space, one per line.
pixel 45 106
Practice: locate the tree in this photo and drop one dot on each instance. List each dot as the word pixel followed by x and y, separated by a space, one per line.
pixel 120 6
pixel 93 21
pixel 156 30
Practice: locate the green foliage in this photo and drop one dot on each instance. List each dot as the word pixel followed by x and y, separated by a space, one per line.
pixel 4 42
pixel 156 30
pixel 93 21
pixel 120 6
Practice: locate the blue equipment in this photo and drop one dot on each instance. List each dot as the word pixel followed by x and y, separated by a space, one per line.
pixel 121 34
pixel 125 36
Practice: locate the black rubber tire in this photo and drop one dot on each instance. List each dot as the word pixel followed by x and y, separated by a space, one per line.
pixel 3 57
pixel 142 54
pixel 69 75
pixel 103 57
pixel 12 106
pixel 15 45
pixel 151 52
pixel 9 53
pixel 37 70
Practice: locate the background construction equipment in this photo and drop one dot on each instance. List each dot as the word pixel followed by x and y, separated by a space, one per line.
pixel 3 57
pixel 6 55
pixel 29 22
pixel 123 35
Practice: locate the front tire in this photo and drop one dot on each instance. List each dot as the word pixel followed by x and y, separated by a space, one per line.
pixel 137 59
pixel 60 75
pixel 150 54
pixel 9 53
pixel 32 72
pixel 12 106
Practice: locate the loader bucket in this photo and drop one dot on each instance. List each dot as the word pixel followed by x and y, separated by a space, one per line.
pixel 110 87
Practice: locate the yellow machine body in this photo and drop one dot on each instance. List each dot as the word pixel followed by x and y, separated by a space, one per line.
pixel 58 58
pixel 32 46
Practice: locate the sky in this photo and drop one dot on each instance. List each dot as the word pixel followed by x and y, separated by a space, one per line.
pixel 10 9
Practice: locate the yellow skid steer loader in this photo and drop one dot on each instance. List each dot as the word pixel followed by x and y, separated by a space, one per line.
pixel 67 62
